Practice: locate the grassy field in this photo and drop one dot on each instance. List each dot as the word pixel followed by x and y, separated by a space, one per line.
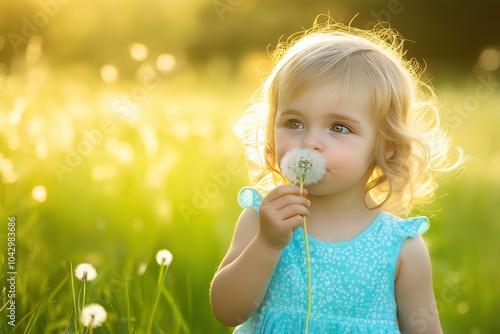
pixel 109 173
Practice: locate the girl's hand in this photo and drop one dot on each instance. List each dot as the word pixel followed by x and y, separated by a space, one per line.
pixel 280 213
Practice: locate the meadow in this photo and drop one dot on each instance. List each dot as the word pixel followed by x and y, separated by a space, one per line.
pixel 107 170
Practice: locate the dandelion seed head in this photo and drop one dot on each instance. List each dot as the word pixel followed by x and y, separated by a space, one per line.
pixel 303 163
pixel 93 315
pixel 85 272
pixel 164 257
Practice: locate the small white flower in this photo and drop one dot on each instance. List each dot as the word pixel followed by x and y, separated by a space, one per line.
pixel 303 163
pixel 93 315
pixel 164 257
pixel 85 272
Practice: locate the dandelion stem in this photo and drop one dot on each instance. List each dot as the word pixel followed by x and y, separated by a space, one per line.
pixel 161 279
pixel 129 325
pixel 308 263
pixel 74 297
pixel 84 290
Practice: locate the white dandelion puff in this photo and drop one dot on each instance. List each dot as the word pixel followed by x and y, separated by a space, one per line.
pixel 85 272
pixel 305 164
pixel 93 315
pixel 164 257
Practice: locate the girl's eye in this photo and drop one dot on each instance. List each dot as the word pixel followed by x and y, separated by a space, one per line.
pixel 340 128
pixel 295 125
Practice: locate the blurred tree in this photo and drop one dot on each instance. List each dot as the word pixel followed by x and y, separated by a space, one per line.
pixel 445 33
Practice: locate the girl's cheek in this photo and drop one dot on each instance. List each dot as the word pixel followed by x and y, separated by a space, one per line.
pixel 280 153
pixel 283 145
pixel 338 158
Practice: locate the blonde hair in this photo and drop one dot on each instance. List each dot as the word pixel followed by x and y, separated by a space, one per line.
pixel 405 108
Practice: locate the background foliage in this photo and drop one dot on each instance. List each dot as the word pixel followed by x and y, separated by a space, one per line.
pixel 115 141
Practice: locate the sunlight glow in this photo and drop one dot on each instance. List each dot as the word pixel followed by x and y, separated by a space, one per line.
pixel 34 49
pixel 163 209
pixel 181 130
pixel 103 172
pixel 42 149
pixel 7 170
pixel 204 129
pixel 149 139
pixel 122 151
pixel 17 112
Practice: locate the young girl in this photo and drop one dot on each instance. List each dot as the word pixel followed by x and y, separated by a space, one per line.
pixel 351 96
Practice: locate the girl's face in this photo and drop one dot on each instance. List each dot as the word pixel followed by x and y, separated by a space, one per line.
pixel 341 128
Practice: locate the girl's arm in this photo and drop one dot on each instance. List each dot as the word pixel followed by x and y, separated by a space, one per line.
pixel 417 311
pixel 242 279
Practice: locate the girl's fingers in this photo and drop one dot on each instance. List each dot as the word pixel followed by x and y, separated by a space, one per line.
pixel 284 196
pixel 293 222
pixel 281 191
pixel 293 210
pixel 289 201
pixel 281 212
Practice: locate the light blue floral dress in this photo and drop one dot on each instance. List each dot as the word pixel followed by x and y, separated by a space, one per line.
pixel 352 281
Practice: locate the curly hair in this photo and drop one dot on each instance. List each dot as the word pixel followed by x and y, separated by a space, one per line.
pixel 406 110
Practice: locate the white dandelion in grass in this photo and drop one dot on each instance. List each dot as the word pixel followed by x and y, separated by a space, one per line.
pixel 164 257
pixel 304 166
pixel 93 315
pixel 85 272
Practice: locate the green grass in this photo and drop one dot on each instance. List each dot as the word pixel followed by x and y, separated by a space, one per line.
pixel 166 176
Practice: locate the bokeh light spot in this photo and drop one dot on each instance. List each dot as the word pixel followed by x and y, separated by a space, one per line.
pixel 490 59
pixel 8 175
pixel 143 266
pixel 39 193
pixel 138 51
pixel 165 62
pixel 462 307
pixel 109 73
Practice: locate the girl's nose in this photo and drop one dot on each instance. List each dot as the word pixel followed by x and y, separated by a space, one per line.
pixel 313 141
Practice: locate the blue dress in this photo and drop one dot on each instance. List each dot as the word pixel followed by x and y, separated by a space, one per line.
pixel 352 282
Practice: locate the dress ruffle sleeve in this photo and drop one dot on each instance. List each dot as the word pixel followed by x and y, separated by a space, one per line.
pixel 415 225
pixel 249 196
